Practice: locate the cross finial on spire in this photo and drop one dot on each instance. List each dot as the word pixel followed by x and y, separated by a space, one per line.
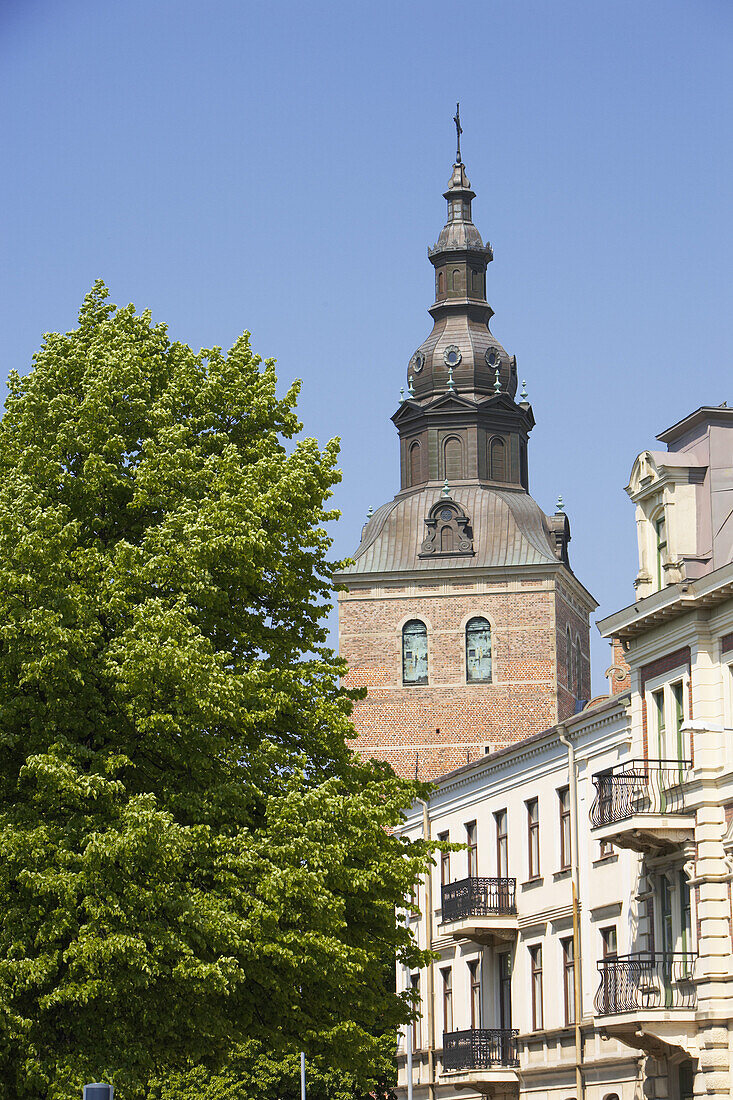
pixel 459 131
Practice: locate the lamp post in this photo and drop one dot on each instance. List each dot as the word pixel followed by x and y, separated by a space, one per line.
pixel 98 1091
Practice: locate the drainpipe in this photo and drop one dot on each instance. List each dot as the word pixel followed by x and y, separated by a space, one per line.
pixel 429 947
pixel 577 956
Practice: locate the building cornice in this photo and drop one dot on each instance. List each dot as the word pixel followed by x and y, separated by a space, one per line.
pixel 669 603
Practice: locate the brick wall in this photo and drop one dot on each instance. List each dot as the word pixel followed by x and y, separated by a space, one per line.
pixel 439 726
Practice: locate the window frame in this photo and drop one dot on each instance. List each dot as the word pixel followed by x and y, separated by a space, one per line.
pixel 447 976
pixel 471 849
pixel 474 993
pixel 533 839
pixel 501 817
pixel 538 1014
pixel 567 945
pixel 444 859
pixel 479 619
pixel 415 1030
pixel 565 834
pixel 422 681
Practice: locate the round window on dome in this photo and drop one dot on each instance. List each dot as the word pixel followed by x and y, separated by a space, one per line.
pixel 452 356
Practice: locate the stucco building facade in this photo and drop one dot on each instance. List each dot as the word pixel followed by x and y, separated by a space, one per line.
pixel 584 933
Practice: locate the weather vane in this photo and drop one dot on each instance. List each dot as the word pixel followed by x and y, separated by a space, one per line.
pixel 459 131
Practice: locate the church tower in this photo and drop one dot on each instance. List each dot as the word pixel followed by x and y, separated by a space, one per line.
pixel 461 615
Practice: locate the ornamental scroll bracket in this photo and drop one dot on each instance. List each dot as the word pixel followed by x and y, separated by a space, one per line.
pixel 448 531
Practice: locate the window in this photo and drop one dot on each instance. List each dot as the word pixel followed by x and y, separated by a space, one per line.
pixel 658 701
pixel 453 459
pixel 415 464
pixel 497 459
pixel 441 284
pixel 455 280
pixel 678 698
pixel 568 660
pixel 502 844
pixel 474 973
pixel 447 976
pixel 414 904
pixel 565 844
pixel 472 849
pixel 505 990
pixel 613 983
pixel 660 528
pixel 444 861
pixel 605 848
pixel 478 651
pixel 578 671
pixel 415 987
pixel 533 838
pixel 568 971
pixel 609 944
pixel 535 959
pixel 685 912
pixel 414 652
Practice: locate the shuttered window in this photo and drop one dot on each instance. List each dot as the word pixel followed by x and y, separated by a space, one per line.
pixel 414 652
pixel 478 651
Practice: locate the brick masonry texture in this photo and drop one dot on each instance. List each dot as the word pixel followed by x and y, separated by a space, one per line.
pixel 430 729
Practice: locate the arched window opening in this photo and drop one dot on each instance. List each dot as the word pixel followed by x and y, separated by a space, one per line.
pixel 497 459
pixel 415 464
pixel 569 659
pixel 453 459
pixel 441 284
pixel 476 275
pixel 478 651
pixel 414 652
pixel 447 539
pixel 578 671
pixel 456 280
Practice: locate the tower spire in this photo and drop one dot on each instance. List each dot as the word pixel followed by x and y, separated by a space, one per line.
pixel 459 131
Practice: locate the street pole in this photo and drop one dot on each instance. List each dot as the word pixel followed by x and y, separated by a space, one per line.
pixel 302 1075
pixel 408 1029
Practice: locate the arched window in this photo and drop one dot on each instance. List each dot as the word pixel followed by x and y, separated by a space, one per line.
pixel 453 459
pixel 415 464
pixel 455 279
pixel 478 651
pixel 447 539
pixel 476 275
pixel 441 284
pixel 414 652
pixel 569 659
pixel 578 670
pixel 497 459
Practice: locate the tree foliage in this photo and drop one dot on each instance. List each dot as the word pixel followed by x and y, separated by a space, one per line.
pixel 197 877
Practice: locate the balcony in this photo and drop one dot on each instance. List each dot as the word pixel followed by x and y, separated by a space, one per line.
pixel 648 1000
pixel 482 909
pixel 641 805
pixel 482 1058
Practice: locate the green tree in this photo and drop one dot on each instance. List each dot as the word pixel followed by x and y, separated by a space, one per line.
pixel 197 877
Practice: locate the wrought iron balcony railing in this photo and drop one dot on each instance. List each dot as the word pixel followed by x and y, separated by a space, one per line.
pixel 646 980
pixel 478 897
pixel 480 1048
pixel 639 787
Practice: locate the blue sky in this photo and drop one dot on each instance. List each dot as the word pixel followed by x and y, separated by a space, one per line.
pixel 278 167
